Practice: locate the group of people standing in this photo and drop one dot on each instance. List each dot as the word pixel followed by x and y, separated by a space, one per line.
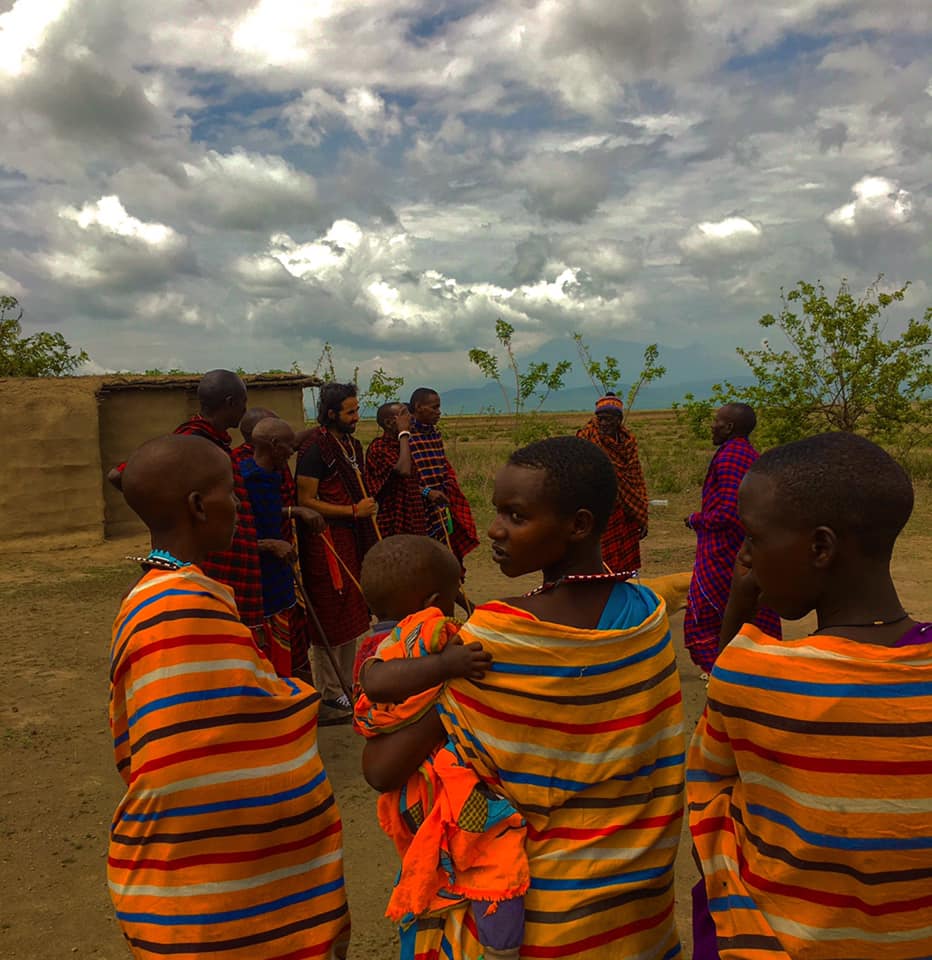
pixel 537 750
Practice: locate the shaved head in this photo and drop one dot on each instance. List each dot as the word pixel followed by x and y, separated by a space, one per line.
pixel 162 474
pixel 219 387
pixel 408 568
pixel 250 418
pixel 270 429
pixel 742 416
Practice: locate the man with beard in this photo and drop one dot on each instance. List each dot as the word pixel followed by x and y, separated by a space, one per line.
pixel 330 481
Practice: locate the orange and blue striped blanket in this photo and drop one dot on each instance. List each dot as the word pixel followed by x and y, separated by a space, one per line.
pixel 810 795
pixel 582 731
pixel 227 842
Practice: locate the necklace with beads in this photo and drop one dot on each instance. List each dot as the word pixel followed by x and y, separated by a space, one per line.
pixel 160 560
pixel 349 457
pixel 581 578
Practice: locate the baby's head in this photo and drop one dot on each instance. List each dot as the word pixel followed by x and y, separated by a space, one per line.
pixel 552 499
pixel 405 573
pixel 182 489
pixel 818 512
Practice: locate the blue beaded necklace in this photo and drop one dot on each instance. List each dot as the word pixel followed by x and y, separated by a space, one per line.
pixel 160 560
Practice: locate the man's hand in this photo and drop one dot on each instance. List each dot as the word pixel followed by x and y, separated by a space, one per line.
pixel 642 532
pixel 469 661
pixel 367 507
pixel 280 549
pixel 314 522
pixel 403 419
pixel 438 497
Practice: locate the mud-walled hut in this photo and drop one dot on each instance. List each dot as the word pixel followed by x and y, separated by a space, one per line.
pixel 63 435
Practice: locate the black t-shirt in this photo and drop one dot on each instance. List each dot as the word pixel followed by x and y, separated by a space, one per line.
pixel 312 464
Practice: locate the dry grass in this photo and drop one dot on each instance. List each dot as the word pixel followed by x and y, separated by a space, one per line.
pixel 674 462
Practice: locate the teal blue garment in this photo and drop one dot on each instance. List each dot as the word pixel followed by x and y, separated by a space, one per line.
pixel 628 605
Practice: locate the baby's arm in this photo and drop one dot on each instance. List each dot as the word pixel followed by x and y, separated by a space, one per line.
pixel 393 681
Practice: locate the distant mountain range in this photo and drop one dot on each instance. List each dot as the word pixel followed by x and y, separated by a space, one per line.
pixel 693 369
pixel 658 396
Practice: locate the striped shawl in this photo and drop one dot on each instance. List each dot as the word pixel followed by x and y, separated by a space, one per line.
pixel 227 842
pixel 810 795
pixel 597 771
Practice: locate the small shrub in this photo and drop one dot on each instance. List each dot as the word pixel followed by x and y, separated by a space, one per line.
pixel 534 427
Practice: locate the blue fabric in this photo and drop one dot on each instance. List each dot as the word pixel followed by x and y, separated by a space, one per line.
pixel 265 495
pixel 627 604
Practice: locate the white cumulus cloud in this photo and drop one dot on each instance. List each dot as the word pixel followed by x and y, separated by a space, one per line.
pixel 719 246
pixel 879 217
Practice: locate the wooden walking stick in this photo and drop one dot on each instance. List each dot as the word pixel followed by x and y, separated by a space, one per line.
pixel 325 640
pixel 362 484
pixel 365 493
pixel 311 612
pixel 468 605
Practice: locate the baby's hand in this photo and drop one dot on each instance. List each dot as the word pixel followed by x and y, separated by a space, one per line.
pixel 469 661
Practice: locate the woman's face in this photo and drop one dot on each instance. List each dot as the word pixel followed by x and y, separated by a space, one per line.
pixel 779 556
pixel 527 533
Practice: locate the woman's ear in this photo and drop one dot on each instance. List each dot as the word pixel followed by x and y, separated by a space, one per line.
pixel 582 526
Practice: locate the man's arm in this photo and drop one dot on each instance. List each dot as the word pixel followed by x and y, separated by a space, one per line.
pixel 310 470
pixel 393 681
pixel 404 466
pixel 721 512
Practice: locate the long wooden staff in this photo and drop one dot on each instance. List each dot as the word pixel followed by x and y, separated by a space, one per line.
pixel 312 613
pixel 342 563
pixel 365 493
pixel 468 605
pixel 362 486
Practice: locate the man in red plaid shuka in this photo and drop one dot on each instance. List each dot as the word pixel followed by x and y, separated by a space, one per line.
pixel 719 536
pixel 449 518
pixel 627 526
pixel 391 476
pixel 330 481
pixel 221 395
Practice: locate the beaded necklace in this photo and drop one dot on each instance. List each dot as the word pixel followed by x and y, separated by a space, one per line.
pixel 160 560
pixel 581 578
pixel 349 457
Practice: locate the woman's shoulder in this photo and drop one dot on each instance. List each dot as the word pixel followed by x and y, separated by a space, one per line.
pixel 509 607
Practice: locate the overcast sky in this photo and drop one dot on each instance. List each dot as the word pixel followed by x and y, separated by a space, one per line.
pixel 233 182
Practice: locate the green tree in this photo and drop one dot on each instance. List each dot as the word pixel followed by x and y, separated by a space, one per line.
pixel 538 381
pixel 838 370
pixel 605 375
pixel 382 388
pixel 43 354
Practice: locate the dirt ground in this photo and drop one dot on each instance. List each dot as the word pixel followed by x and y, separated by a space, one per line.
pixel 59 787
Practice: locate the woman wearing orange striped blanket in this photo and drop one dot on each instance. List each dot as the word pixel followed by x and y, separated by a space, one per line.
pixel 810 774
pixel 578 723
pixel 227 843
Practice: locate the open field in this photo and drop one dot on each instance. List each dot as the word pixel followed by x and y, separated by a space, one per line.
pixel 58 785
